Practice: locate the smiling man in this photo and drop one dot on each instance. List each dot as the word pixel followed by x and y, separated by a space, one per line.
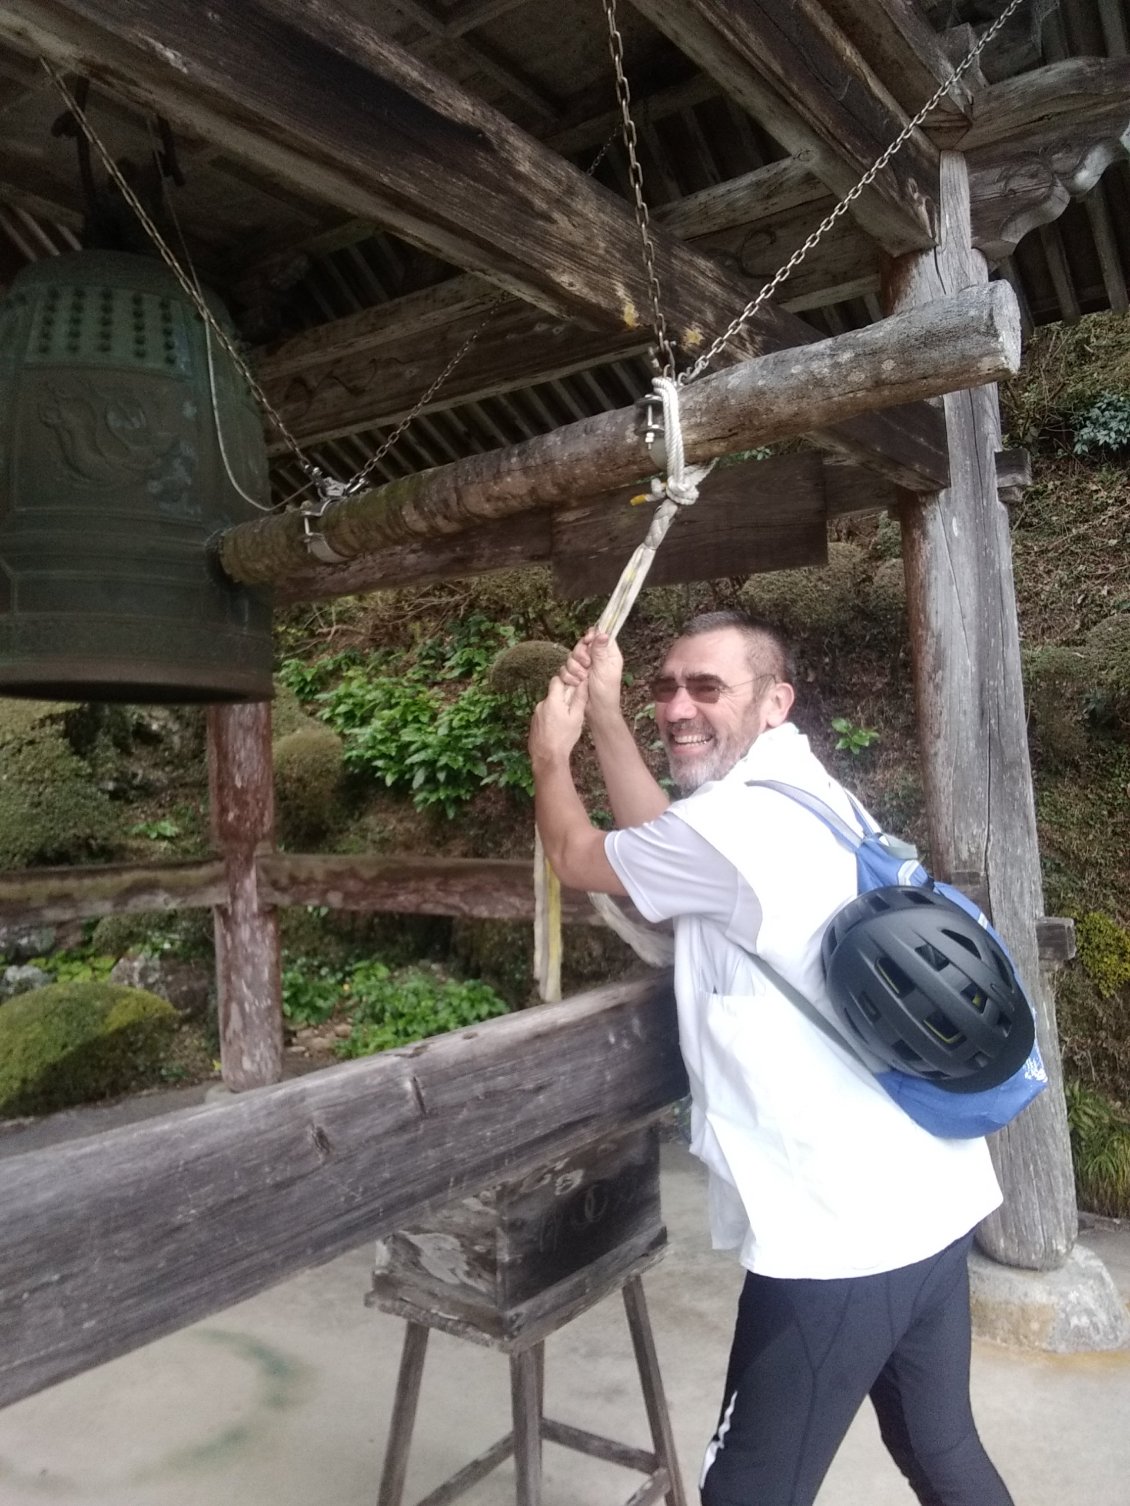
pixel 853 1223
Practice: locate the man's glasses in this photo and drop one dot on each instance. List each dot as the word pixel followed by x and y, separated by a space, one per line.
pixel 704 690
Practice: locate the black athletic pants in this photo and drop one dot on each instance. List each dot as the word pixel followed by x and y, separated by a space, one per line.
pixel 805 1355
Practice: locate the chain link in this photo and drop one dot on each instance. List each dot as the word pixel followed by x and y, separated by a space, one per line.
pixel 624 94
pixel 845 203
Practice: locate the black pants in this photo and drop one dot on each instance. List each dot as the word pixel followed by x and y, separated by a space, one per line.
pixel 805 1355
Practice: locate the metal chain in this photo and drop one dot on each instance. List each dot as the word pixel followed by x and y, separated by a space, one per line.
pixel 174 266
pixel 845 203
pixel 624 95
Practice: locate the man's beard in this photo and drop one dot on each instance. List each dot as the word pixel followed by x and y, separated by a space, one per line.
pixel 718 759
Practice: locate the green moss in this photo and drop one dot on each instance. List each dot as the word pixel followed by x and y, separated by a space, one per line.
pixel 51 810
pixel 308 779
pixel 1103 948
pixel 160 933
pixel 287 714
pixel 527 667
pixel 75 1043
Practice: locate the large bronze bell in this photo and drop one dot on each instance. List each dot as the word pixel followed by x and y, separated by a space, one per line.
pixel 128 440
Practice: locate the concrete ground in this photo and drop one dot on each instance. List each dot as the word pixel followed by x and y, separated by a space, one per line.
pixel 285 1400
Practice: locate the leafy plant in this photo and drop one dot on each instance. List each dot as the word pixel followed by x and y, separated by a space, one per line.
pixel 1100 1146
pixel 311 991
pixel 851 738
pixel 1104 426
pixel 81 965
pixel 163 830
pixel 395 1008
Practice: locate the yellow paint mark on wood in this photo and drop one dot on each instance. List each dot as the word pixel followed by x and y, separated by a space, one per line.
pixel 630 316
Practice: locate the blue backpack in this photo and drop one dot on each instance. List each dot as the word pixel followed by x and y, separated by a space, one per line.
pixel 883 861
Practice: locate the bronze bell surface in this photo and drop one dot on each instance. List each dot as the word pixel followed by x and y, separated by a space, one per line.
pixel 128 441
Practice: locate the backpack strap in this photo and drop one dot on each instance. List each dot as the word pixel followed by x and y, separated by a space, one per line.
pixel 831 819
pixel 804 1004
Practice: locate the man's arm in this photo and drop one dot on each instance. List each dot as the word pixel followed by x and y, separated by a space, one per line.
pixel 633 793
pixel 574 847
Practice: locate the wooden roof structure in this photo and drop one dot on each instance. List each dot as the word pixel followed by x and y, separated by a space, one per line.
pixel 367 184
pixel 360 239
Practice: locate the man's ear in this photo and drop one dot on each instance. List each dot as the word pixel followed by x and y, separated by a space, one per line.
pixel 778 703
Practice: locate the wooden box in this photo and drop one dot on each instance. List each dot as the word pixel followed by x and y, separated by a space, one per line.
pixel 519 1259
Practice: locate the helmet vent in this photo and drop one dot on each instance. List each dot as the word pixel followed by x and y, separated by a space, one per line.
pixel 943 1027
pixel 894 977
pixel 976 996
pixel 932 957
pixel 960 939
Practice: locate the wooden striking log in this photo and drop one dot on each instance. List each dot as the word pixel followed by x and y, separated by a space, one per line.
pixel 311 94
pixel 961 610
pixel 483 888
pixel 248 983
pixel 42 896
pixel 793 69
pixel 109 1242
pixel 781 516
pixel 956 342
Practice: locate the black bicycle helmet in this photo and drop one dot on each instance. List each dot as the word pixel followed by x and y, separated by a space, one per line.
pixel 926 989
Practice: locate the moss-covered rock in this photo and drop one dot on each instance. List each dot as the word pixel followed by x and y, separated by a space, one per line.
pixel 308 779
pixel 75 1043
pixel 51 809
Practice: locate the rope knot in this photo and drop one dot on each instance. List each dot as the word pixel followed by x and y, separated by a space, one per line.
pixel 682 481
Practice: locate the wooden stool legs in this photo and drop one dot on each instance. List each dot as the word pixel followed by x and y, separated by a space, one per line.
pixel 527 1398
pixel 403 1414
pixel 658 1418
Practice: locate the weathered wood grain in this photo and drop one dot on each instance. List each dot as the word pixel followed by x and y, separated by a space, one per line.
pixel 482 888
pixel 111 1241
pixel 792 68
pixel 956 342
pixel 43 896
pixel 248 980
pixel 969 695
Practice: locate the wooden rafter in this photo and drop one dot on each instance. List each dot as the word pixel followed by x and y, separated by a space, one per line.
pixel 316 98
pixel 792 68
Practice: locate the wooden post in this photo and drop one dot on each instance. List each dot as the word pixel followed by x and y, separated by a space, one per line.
pixel 977 777
pixel 248 986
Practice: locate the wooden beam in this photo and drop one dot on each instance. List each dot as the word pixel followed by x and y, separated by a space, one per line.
pixel 766 541
pixel 43 896
pixel 956 342
pixel 972 738
pixel 480 888
pixel 248 981
pixel 764 515
pixel 908 58
pixel 1106 244
pixel 311 95
pixel 794 70
pixel 111 1241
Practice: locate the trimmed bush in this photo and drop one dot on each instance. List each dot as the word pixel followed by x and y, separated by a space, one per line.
pixel 74 1043
pixel 1108 647
pixel 51 810
pixel 308 776
pixel 813 604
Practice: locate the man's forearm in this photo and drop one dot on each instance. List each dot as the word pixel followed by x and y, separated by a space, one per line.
pixel 633 792
pixel 574 847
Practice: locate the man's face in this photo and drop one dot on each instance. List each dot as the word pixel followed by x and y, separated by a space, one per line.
pixel 705 741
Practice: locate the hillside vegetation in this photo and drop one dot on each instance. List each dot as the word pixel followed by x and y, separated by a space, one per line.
pixel 392 735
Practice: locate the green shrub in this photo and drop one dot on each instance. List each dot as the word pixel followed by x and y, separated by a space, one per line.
pixel 1108 648
pixel 51 810
pixel 75 1043
pixel 1103 426
pixel 154 933
pixel 812 604
pixel 308 770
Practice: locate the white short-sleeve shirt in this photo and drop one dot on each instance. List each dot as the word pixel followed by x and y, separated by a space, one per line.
pixel 815 1172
